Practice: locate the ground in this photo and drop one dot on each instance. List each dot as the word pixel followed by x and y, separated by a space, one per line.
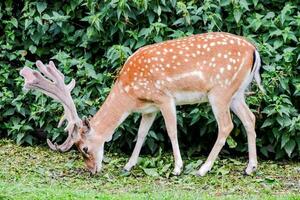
pixel 38 173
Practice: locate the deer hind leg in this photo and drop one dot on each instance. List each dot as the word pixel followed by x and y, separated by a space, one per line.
pixel 146 122
pixel 221 111
pixel 168 110
pixel 240 108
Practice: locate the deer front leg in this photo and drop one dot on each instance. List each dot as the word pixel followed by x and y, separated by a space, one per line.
pixel 225 125
pixel 168 110
pixel 146 122
pixel 240 108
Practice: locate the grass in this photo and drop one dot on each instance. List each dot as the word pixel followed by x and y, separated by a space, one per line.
pixel 38 173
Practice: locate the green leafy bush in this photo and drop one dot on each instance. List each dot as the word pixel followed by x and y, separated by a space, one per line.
pixel 90 40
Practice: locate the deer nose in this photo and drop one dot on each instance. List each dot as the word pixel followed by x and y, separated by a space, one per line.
pixel 93 171
pixel 85 150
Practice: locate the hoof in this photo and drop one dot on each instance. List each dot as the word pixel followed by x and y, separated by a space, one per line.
pixel 201 173
pixel 250 170
pixel 125 170
pixel 176 172
pixel 204 169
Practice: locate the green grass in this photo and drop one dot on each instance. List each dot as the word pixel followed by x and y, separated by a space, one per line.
pixel 38 173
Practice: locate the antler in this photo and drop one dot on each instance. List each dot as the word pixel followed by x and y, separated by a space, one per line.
pixel 53 85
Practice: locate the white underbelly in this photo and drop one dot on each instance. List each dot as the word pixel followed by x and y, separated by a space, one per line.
pixel 183 98
pixel 148 108
pixel 180 98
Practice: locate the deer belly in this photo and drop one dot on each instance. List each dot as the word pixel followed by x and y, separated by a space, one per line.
pixel 148 108
pixel 183 98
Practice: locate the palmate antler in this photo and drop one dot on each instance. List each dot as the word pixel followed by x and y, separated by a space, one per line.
pixel 53 85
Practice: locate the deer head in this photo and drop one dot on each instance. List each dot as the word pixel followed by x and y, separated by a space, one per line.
pixel 79 131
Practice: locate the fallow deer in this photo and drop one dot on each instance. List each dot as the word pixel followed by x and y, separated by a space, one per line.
pixel 214 67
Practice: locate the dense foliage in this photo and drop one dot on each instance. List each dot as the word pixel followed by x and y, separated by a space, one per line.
pixel 90 40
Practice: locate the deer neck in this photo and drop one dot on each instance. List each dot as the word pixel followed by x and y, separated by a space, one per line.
pixel 115 109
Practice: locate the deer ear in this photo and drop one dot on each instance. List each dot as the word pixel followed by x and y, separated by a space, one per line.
pixel 86 122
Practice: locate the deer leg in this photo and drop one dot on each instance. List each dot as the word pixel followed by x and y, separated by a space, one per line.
pixel 222 114
pixel 240 108
pixel 168 110
pixel 146 122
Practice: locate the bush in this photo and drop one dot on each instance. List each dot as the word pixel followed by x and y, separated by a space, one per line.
pixel 90 41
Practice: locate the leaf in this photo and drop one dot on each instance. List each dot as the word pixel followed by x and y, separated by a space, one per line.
pixel 223 170
pixel 56 134
pixel 278 44
pixel 90 70
pixel 141 42
pixel 144 32
pixel 151 172
pixel 125 173
pixel 231 142
pixel 9 112
pixel 237 15
pixel 195 18
pixel 153 135
pixel 159 11
pixel 264 151
pixel 20 136
pixel 165 168
pixel 173 2
pixel 41 6
pixel 179 21
pixel 14 22
pixel 38 20
pixel 27 23
pixel 28 139
pixel 268 122
pixel 255 2
pixel 235 162
pixel 289 147
pixel 284 121
pixel 244 4
pixel 192 166
pixel 277 32
pixel 270 180
pixel 224 3
pixel 269 15
pixel 151 144
pixel 32 49
pixel 284 139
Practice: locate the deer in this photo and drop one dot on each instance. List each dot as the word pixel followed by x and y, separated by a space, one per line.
pixel 214 67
